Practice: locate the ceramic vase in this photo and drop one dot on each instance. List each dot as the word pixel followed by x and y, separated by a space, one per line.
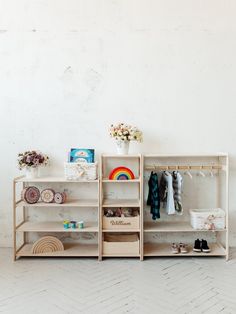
pixel 122 147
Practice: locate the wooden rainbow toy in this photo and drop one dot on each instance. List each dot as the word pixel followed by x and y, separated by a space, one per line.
pixel 121 173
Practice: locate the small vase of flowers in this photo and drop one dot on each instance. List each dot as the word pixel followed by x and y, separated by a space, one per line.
pixel 31 161
pixel 123 135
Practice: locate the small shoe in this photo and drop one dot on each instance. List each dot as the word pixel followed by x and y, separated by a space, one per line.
pixel 205 247
pixel 197 246
pixel 175 248
pixel 183 248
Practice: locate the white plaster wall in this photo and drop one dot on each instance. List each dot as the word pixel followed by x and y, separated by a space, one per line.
pixel 68 68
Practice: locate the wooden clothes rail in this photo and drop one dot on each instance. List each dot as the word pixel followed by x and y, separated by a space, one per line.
pixel 183 167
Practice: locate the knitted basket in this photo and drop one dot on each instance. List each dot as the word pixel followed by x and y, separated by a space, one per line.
pixel 81 171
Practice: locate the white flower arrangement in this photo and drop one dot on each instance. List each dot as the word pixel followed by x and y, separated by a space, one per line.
pixel 126 132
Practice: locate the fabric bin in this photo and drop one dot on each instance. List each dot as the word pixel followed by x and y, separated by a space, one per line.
pixel 207 219
pixel 121 244
pixel 120 223
pixel 80 171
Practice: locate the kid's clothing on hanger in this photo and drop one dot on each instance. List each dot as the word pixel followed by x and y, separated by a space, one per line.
pixel 168 191
pixel 177 186
pixel 154 196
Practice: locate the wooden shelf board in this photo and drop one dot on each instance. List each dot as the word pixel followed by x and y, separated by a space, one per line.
pixel 185 155
pixel 68 203
pixel 120 156
pixel 121 255
pixel 121 230
pixel 71 249
pixel 105 180
pixel 54 179
pixel 162 226
pixel 121 203
pixel 164 249
pixel 52 226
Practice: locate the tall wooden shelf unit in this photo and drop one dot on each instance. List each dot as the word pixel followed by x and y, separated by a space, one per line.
pixel 215 168
pixel 22 226
pixel 118 194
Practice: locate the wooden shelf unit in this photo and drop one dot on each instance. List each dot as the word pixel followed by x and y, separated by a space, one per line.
pixel 118 201
pixel 24 227
pixel 105 199
pixel 219 163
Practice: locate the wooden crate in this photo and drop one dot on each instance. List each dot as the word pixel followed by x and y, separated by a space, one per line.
pixel 122 244
pixel 120 223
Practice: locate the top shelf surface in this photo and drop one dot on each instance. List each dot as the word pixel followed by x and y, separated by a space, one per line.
pixel 53 179
pixel 186 155
pixel 121 156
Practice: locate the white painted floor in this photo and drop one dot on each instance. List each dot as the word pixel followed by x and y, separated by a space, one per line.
pixel 157 285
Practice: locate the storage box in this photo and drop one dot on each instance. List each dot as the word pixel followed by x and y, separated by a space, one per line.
pixel 80 171
pixel 120 223
pixel 207 219
pixel 121 244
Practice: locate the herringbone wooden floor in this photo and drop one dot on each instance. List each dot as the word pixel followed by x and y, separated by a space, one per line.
pixel 163 286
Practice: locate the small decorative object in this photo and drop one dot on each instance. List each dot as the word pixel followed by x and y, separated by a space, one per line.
pixel 30 195
pixel 81 224
pixel 207 219
pixel 123 134
pixel 47 195
pixel 118 212
pixel 73 224
pixel 80 171
pixel 81 155
pixel 109 213
pixel 121 173
pixel 31 160
pixel 66 224
pixel 60 198
pixel 47 244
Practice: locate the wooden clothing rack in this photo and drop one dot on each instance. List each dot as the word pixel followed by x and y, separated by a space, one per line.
pixel 183 167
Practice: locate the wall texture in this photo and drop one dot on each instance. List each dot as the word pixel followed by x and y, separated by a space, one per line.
pixel 70 68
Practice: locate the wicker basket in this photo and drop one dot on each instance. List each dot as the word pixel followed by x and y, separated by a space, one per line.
pixel 81 171
pixel 207 219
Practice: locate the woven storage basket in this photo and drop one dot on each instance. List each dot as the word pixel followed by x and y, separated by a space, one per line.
pixel 81 171
pixel 205 219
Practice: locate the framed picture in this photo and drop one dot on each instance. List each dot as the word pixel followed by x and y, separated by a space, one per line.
pixel 81 155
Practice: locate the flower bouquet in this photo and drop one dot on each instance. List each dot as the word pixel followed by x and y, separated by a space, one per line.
pixel 123 134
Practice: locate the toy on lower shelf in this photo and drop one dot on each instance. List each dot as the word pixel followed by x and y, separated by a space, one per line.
pixel 47 195
pixel 60 198
pixel 73 224
pixel 121 173
pixel 30 194
pixel 47 244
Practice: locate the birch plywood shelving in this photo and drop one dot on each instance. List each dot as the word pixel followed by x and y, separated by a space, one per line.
pixel 120 194
pixel 139 237
pixel 157 232
pixel 23 227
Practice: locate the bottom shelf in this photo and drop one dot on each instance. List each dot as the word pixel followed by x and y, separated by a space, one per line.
pixel 164 249
pixel 71 249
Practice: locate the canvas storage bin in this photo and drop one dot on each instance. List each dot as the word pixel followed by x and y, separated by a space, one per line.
pixel 115 223
pixel 205 219
pixel 121 244
pixel 81 171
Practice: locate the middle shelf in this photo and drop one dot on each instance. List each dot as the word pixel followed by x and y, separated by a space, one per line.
pixel 53 226
pixel 180 226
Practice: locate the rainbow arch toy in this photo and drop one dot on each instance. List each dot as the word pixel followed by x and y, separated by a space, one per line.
pixel 121 173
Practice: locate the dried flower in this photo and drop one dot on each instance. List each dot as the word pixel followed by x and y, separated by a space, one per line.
pixel 32 159
pixel 125 132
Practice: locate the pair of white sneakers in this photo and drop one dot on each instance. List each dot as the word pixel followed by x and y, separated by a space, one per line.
pixel 179 248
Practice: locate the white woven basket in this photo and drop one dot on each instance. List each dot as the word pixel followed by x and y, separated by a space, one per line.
pixel 81 171
pixel 207 219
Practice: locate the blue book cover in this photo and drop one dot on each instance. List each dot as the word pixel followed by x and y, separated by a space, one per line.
pixel 81 154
